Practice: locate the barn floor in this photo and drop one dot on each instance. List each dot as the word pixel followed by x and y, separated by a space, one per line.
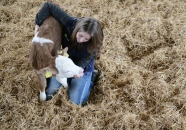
pixel 142 82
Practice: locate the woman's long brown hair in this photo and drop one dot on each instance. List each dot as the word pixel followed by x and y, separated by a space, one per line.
pixel 93 27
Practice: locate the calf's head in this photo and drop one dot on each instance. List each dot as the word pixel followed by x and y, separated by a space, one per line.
pixel 66 68
pixel 63 67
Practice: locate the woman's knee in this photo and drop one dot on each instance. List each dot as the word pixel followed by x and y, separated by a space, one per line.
pixel 77 97
pixel 79 90
pixel 79 100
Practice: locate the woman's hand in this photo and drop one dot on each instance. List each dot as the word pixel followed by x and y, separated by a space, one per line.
pixel 75 76
pixel 36 29
pixel 80 74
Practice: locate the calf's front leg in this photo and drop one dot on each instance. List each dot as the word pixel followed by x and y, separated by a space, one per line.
pixel 63 81
pixel 42 86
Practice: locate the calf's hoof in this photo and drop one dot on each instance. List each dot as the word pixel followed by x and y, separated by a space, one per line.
pixel 42 96
pixel 65 86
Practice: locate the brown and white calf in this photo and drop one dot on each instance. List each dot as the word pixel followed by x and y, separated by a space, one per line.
pixel 44 57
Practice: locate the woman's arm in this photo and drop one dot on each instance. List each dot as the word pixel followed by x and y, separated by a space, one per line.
pixel 49 8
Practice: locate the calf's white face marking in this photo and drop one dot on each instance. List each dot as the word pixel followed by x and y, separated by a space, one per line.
pixel 41 40
pixel 67 68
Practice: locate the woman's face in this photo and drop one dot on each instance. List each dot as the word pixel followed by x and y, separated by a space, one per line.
pixel 82 37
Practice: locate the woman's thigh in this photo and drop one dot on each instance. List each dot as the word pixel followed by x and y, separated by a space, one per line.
pixel 79 88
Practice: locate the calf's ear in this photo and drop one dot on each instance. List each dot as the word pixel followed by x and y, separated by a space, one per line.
pixel 64 51
pixel 49 70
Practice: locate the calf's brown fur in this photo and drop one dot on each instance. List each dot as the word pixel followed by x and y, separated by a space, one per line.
pixel 42 55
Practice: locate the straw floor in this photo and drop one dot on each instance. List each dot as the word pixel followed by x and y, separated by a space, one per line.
pixel 142 82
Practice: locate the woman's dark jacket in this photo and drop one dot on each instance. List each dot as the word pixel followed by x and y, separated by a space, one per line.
pixel 79 56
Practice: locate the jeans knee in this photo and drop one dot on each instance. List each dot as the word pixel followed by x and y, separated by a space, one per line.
pixel 78 100
pixel 74 100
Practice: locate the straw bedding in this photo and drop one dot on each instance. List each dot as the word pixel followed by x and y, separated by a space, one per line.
pixel 142 82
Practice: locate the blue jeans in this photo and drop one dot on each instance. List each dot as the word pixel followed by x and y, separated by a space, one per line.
pixel 78 91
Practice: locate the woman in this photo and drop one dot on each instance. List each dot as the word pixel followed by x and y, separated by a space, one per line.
pixel 84 38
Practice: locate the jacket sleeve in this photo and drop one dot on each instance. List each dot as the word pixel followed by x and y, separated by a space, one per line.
pixel 49 8
pixel 83 62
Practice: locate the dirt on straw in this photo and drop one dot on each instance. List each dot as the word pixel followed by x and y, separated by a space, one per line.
pixel 142 82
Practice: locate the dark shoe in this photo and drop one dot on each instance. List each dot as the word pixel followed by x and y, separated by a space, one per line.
pixel 94 78
pixel 52 87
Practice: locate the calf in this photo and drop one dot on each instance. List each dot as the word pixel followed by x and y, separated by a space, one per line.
pixel 44 57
